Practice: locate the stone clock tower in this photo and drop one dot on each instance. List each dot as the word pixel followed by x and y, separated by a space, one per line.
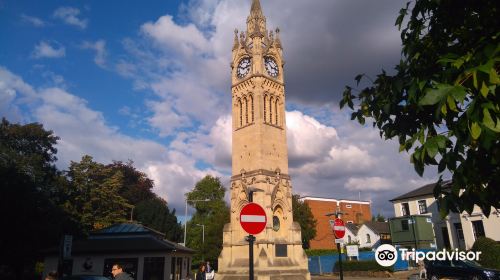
pixel 260 159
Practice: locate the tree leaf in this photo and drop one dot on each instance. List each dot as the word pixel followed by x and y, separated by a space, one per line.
pixel 475 130
pixel 434 96
pixel 488 121
pixel 494 77
pixel 358 78
pixel 484 90
pixel 431 147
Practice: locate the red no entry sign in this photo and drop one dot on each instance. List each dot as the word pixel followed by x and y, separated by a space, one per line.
pixel 253 218
pixel 338 228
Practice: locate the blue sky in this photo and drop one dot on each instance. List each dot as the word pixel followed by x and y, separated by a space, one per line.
pixel 150 81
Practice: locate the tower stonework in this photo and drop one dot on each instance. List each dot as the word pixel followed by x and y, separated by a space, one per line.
pixel 260 159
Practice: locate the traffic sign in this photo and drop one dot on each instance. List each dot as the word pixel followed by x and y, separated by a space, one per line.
pixel 338 228
pixel 253 218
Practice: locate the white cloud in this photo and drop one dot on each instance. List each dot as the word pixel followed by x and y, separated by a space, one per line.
pixel 70 16
pixel 186 40
pixel 45 49
pixel 307 138
pixel 33 20
pixel 99 47
pixel 369 183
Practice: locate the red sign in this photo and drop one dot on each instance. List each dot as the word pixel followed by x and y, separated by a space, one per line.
pixel 338 228
pixel 253 218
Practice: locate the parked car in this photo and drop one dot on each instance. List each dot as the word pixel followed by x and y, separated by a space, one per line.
pixel 459 270
pixel 85 277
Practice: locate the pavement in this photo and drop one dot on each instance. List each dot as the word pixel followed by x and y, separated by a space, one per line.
pixel 409 275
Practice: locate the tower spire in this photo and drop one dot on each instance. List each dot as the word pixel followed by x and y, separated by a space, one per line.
pixel 256 10
pixel 256 21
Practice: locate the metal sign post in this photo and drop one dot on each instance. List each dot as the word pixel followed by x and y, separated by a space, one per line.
pixel 338 228
pixel 253 220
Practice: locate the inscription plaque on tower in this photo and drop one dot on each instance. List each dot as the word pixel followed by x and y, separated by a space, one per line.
pixel 260 159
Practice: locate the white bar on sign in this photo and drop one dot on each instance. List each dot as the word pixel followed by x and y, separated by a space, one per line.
pixel 342 228
pixel 253 218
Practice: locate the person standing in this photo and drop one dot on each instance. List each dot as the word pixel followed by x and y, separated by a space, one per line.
pixel 119 274
pixel 210 272
pixel 201 274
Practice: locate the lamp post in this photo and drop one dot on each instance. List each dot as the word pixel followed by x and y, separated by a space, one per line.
pixel 203 241
pixel 185 215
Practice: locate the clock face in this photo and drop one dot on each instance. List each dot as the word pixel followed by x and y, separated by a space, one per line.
pixel 243 67
pixel 271 66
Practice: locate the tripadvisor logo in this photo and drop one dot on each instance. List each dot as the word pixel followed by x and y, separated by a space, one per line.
pixel 386 255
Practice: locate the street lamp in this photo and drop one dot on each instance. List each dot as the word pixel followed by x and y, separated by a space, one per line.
pixel 203 241
pixel 185 215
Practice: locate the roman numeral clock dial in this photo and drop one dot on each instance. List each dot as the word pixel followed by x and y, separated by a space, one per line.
pixel 271 66
pixel 243 67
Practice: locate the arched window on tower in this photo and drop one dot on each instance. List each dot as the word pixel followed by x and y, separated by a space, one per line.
pixel 265 108
pixel 241 112
pixel 251 106
pixel 246 110
pixel 271 101
pixel 276 110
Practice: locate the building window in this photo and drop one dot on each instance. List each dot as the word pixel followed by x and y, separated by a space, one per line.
pixel 153 268
pixel 459 231
pixel 241 112
pixel 404 225
pixel 422 206
pixel 405 209
pixel 349 239
pixel 271 100
pixel 276 110
pixel 368 239
pixel 350 222
pixel 251 105
pixel 265 108
pixel 348 206
pixel 246 110
pixel 478 229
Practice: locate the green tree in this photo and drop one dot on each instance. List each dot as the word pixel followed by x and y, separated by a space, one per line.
pixel 213 214
pixel 378 218
pixel 93 194
pixel 154 213
pixel 31 217
pixel 136 186
pixel 303 215
pixel 442 103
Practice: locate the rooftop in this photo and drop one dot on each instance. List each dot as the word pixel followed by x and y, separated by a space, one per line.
pixel 422 191
pixel 378 227
pixel 334 200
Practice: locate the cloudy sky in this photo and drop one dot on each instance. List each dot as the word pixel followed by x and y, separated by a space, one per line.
pixel 150 81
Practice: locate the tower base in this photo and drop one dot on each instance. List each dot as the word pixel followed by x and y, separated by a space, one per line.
pixel 287 262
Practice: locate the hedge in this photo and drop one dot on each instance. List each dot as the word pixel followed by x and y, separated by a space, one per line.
pixel 370 265
pixel 490 252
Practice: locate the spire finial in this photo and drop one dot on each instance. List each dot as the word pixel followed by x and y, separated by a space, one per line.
pixel 256 10
pixel 256 21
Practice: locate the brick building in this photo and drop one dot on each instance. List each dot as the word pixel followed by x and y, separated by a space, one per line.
pixel 355 211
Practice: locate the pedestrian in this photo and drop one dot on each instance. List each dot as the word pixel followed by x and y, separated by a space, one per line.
pixel 51 276
pixel 210 272
pixel 201 274
pixel 119 274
